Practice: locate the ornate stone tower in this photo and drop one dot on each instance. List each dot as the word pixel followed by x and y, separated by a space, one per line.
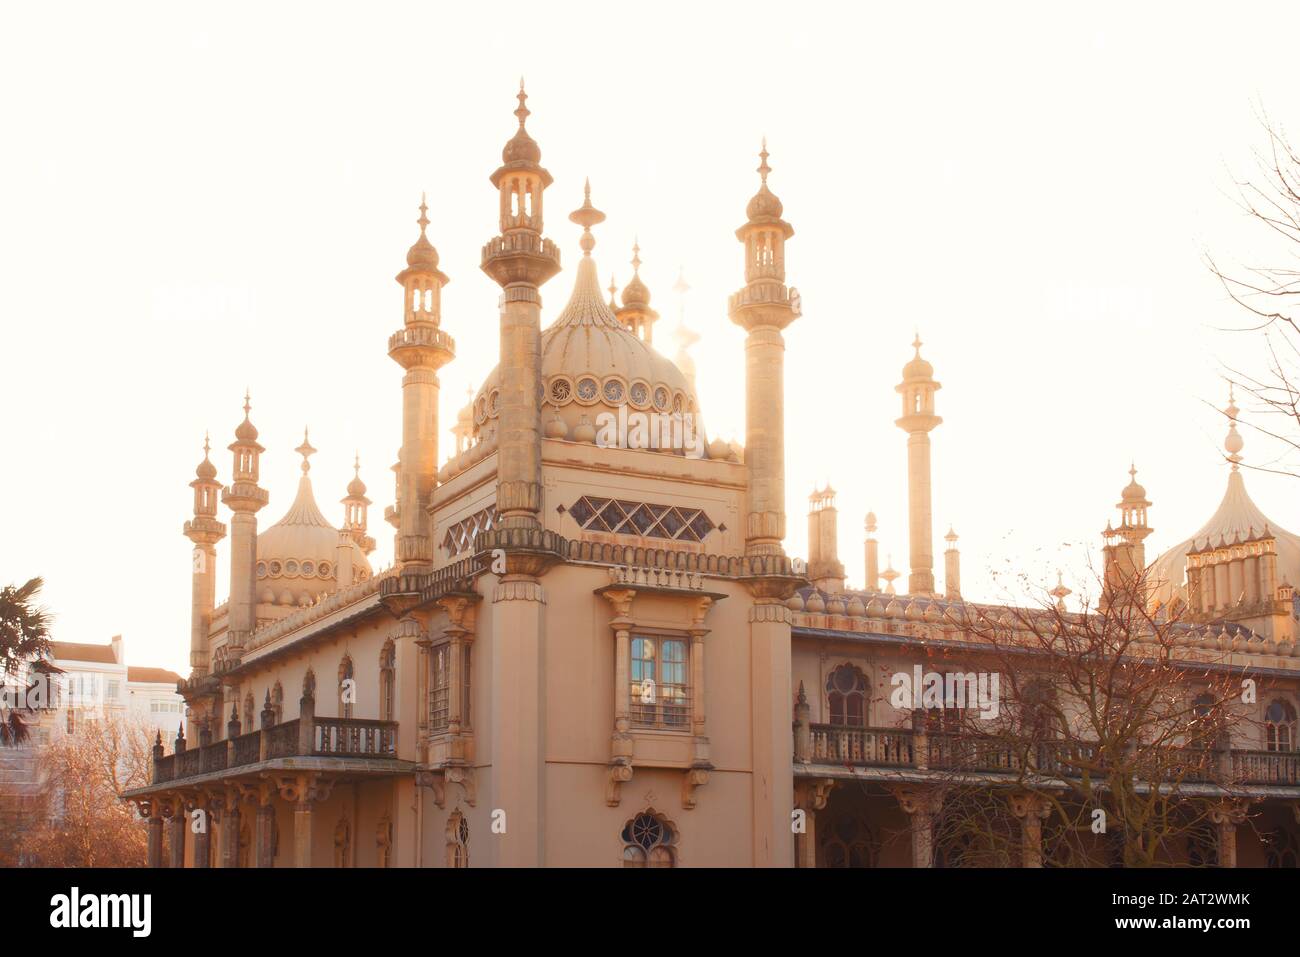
pixel 520 260
pixel 355 508
pixel 951 567
pixel 917 390
pixel 204 531
pixel 636 313
pixel 825 569
pixel 763 308
pixel 421 348
pixel 244 497
pixel 1125 553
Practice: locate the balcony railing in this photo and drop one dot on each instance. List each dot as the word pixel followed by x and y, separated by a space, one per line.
pixel 330 737
pixel 943 751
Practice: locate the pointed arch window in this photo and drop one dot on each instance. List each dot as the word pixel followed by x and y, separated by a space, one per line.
pixel 1280 725
pixel 848 843
pixel 387 681
pixel 457 840
pixel 846 696
pixel 649 841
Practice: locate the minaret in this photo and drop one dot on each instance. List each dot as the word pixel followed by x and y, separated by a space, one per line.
pixel 204 531
pixel 1125 554
pixel 421 348
pixel 244 497
pixel 1060 593
pixel 636 314
pixel 917 389
pixel 873 554
pixel 685 337
pixel 763 308
pixel 355 506
pixel 951 567
pixel 520 260
pixel 825 570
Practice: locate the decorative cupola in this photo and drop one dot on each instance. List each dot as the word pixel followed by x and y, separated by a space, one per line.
pixel 951 567
pixel 825 570
pixel 763 308
pixel 244 498
pixel 1125 555
pixel 421 348
pixel 917 391
pixel 204 531
pixel 636 315
pixel 355 506
pixel 422 279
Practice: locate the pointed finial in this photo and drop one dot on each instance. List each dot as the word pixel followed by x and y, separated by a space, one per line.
pixel 207 445
pixel 522 112
pixel 681 287
pixel 356 464
pixel 916 344
pixel 636 256
pixel 306 451
pixel 613 288
pixel 1234 443
pixel 587 216
pixel 763 168
pixel 248 405
pixel 424 212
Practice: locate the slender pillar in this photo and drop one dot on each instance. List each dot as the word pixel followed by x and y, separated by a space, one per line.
pixel 176 839
pixel 872 549
pixel 1030 810
pixel 918 419
pixel 244 498
pixel 204 531
pixel 302 832
pixel 265 836
pixel 951 568
pixel 155 835
pixel 921 804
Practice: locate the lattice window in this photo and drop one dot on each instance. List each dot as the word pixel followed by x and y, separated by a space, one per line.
pixel 460 536
pixel 643 519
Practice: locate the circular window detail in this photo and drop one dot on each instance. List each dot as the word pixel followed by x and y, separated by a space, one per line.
pixel 588 390
pixel 480 410
pixel 661 398
pixel 561 390
pixel 276 568
pixel 261 569
pixel 679 402
pixel 494 403
pixel 639 395
pixel 309 568
pixel 324 569
pixel 613 392
pixel 291 567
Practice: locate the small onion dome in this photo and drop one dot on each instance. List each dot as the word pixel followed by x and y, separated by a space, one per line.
pixel 555 427
pixel 635 292
pixel 871 522
pixel 584 431
pixel 246 431
pixel 206 471
pixel 764 205
pixel 918 368
pixel 720 449
pixel 1133 492
pixel 422 253
pixel 356 488
pixel 522 148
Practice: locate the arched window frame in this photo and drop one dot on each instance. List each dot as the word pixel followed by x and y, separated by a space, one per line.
pixel 848 696
pixel 1280 725
pixel 649 840
pixel 457 840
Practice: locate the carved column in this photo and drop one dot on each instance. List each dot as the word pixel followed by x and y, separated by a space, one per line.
pixel 921 804
pixel 620 748
pixel 1226 816
pixel 1031 810
pixel 201 824
pixel 301 791
pixel 810 796
pixel 154 853
pixel 229 842
pixel 174 811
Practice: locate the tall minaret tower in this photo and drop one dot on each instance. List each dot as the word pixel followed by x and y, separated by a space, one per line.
pixel 520 260
pixel 951 567
pixel 825 569
pixel 763 308
pixel 872 548
pixel 204 531
pixel 685 337
pixel 421 348
pixel 244 497
pixel 917 389
pixel 1125 553
pixel 355 506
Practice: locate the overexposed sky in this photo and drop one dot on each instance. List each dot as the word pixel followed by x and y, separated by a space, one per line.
pixel 198 199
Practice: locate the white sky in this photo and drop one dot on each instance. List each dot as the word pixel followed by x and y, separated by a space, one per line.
pixel 193 200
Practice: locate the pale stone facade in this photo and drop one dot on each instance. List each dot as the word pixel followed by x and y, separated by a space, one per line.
pixel 587 653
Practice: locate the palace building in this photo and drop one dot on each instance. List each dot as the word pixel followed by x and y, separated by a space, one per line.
pixel 598 653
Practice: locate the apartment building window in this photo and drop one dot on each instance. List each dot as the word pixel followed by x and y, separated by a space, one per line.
pixel 114 690
pixel 659 689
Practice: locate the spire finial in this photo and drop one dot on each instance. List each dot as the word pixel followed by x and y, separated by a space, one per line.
pixel 587 216
pixel 306 451
pixel 424 213
pixel 613 288
pixel 681 286
pixel 522 111
pixel 356 464
pixel 763 168
pixel 207 445
pixel 917 343
pixel 248 404
pixel 1233 442
pixel 636 256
